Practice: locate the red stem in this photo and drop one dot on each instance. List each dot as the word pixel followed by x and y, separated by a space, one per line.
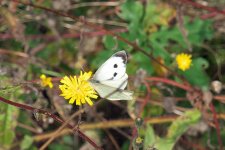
pixel 146 98
pixel 66 35
pixel 217 125
pixel 210 9
pixel 56 118
pixel 171 82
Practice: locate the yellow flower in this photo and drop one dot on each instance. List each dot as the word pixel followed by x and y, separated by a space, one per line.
pixel 46 81
pixel 78 89
pixel 183 61
pixel 138 140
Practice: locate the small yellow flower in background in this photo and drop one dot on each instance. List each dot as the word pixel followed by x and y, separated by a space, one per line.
pixel 78 89
pixel 138 140
pixel 46 81
pixel 183 61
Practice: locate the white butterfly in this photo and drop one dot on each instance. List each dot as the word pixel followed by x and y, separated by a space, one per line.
pixel 110 79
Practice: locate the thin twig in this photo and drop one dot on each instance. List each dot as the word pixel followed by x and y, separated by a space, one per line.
pixel 186 87
pixel 66 35
pixel 197 5
pixel 220 98
pixel 13 53
pixel 120 123
pixel 61 128
pixel 56 118
pixel 216 125
pixel 146 99
pixel 181 27
pixel 29 128
pixel 91 4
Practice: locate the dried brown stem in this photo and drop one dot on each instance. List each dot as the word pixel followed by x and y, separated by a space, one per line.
pixel 110 124
pixel 61 128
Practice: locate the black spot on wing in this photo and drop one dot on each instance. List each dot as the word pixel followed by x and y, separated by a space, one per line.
pixel 115 74
pixel 115 66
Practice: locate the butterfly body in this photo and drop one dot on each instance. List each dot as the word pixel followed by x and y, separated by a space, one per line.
pixel 110 79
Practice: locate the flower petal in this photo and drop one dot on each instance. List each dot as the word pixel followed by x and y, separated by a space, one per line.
pixel 78 89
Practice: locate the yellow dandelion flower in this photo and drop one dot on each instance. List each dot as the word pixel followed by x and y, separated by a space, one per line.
pixel 46 81
pixel 78 89
pixel 183 61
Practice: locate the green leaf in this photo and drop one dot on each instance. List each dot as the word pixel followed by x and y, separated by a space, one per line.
pixel 50 52
pixel 152 110
pixel 196 75
pixel 109 42
pixel 178 127
pixel 198 31
pixel 58 146
pixel 26 143
pixel 125 145
pixel 7 124
pixel 140 60
pixel 150 138
pixel 131 11
pixel 9 114
pixel 68 140
pixel 181 124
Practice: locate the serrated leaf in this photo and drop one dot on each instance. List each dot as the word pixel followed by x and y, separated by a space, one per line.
pixel 131 11
pixel 198 31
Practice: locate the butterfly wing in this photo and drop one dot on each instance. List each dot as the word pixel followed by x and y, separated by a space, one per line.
pixel 113 69
pixel 120 83
pixel 111 93
pixel 110 79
